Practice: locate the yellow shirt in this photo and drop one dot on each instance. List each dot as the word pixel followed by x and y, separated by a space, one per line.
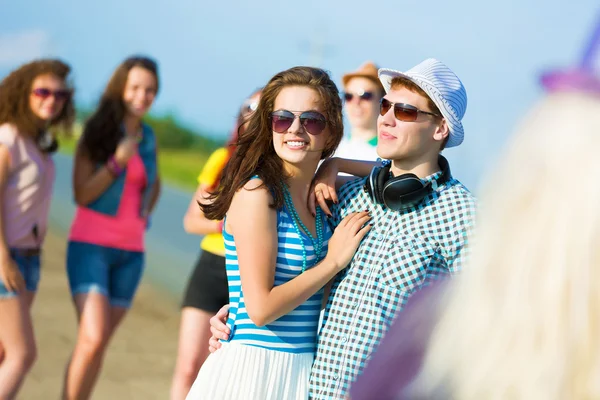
pixel 213 242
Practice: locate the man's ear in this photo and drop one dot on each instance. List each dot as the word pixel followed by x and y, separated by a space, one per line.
pixel 441 131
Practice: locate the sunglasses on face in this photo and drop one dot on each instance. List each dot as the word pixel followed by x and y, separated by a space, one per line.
pixel 402 112
pixel 361 96
pixel 44 93
pixel 313 122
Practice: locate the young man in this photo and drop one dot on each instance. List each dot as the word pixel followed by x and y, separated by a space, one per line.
pixel 421 219
pixel 362 92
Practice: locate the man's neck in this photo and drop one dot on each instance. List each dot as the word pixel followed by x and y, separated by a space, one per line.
pixel 364 134
pixel 421 167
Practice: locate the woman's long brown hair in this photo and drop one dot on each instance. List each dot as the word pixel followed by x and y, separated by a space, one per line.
pixel 255 153
pixel 102 132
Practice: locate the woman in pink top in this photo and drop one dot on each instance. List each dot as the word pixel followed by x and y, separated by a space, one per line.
pixel 33 98
pixel 116 186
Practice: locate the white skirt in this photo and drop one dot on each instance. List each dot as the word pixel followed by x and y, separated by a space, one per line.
pixel 242 372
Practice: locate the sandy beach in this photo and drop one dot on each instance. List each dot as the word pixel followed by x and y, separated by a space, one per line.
pixel 140 360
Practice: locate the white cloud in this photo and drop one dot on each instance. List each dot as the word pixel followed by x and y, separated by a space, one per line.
pixel 20 47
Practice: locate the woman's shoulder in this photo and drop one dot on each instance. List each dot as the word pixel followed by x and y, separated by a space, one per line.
pixel 254 183
pixel 8 133
pixel 217 159
pixel 254 194
pixel 251 206
pixel 219 153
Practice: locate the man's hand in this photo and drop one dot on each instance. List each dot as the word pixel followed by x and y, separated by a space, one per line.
pixel 218 328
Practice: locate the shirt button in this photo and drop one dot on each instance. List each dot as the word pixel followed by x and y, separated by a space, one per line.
pixel 344 339
pixel 355 304
pixel 368 271
pixel 380 237
pixel 335 377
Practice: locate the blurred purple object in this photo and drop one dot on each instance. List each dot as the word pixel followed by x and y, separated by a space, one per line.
pixel 579 80
pixel 584 78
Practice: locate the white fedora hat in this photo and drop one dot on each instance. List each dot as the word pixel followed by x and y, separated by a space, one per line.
pixel 442 86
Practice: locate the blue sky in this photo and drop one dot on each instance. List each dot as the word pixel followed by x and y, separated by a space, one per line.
pixel 212 54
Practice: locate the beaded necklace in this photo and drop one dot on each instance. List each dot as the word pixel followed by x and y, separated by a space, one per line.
pixel 318 241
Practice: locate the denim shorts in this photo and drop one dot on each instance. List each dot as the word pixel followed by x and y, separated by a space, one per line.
pixel 112 272
pixel 29 265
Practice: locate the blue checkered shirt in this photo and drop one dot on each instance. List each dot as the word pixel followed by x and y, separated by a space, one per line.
pixel 404 251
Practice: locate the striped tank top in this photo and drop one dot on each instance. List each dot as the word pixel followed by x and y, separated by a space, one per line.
pixel 295 332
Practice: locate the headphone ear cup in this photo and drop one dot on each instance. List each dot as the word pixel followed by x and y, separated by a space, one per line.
pixel 404 191
pixel 380 179
pixel 373 184
pixel 370 182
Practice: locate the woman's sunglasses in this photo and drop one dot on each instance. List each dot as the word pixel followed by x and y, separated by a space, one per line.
pixel 44 93
pixel 402 112
pixel 361 96
pixel 312 121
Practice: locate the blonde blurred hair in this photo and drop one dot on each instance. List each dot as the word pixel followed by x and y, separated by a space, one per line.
pixel 523 321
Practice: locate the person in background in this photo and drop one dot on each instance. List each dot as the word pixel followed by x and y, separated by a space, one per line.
pixel 362 92
pixel 33 99
pixel 207 288
pixel 116 186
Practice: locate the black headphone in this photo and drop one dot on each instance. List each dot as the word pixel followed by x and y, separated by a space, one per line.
pixel 404 191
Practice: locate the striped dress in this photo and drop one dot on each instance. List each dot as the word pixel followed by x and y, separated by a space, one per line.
pixel 272 361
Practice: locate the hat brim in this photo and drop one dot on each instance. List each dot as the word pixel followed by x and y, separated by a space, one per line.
pixel 455 127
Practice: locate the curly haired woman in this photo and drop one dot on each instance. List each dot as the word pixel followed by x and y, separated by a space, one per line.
pixel 33 98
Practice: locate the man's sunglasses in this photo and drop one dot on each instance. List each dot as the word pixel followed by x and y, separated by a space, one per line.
pixel 312 121
pixel 402 112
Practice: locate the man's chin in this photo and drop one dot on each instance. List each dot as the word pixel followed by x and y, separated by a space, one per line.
pixel 386 154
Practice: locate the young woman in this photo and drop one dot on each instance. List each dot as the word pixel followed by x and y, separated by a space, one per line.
pixel 279 255
pixel 207 288
pixel 116 185
pixel 33 98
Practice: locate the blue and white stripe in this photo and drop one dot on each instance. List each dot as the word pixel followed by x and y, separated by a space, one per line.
pixel 295 332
